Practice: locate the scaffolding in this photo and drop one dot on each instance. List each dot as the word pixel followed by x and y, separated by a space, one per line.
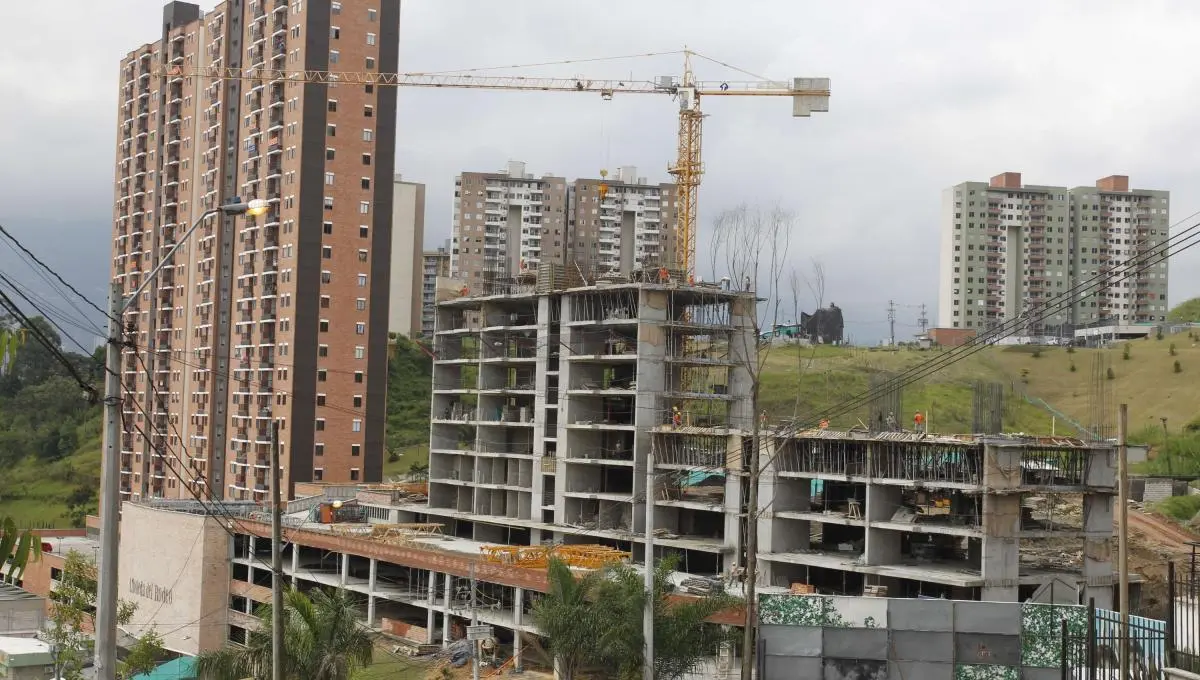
pixel 539 556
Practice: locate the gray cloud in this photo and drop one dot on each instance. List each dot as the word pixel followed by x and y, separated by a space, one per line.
pixel 926 94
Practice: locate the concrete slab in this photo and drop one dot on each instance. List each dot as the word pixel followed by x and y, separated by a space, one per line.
pixel 987 617
pixel 982 648
pixel 792 667
pixel 908 670
pixel 908 645
pixel 928 615
pixel 792 640
pixel 855 643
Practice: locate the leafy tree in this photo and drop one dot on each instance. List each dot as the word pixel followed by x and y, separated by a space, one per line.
pixel 409 390
pixel 20 545
pixel 143 656
pixel 595 620
pixel 322 640
pixel 1185 312
pixel 73 606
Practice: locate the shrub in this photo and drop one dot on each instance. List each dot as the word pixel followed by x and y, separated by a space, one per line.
pixel 1171 349
pixel 1125 352
pixel 1178 368
pixel 1110 374
pixel 1070 349
pixel 1037 354
pixel 1181 508
pixel 1158 334
pixel 1072 367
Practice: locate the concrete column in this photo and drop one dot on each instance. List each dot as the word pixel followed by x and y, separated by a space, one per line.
pixel 371 593
pixel 882 545
pixel 518 611
pixel 449 581
pixel 429 616
pixel 345 557
pixel 1097 550
pixel 295 561
pixel 1000 564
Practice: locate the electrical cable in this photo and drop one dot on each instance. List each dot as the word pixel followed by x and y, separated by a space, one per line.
pixel 56 275
pixel 7 304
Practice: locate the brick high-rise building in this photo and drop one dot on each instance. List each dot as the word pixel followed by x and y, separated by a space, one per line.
pixel 281 317
pixel 507 223
pixel 1009 248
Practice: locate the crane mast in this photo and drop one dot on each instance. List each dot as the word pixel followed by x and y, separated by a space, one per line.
pixel 808 95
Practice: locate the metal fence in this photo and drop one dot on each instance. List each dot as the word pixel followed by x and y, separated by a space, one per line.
pixel 1183 616
pixel 1095 652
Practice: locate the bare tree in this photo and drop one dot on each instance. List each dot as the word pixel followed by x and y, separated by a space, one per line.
pixel 750 246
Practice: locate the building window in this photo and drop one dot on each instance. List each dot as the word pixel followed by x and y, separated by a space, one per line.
pixel 324 326
pixel 327 252
pixel 366 182
pixel 318 474
pixel 370 38
pixel 371 16
pixel 327 227
pixel 326 277
pixel 361 304
pixel 355 450
pixel 356 425
pixel 319 449
pixel 370 63
pixel 366 158
pixel 322 375
pixel 331 130
pixel 329 202
pixel 358 401
pixel 320 424
pixel 364 207
pixel 333 54
pixel 354 474
pixel 320 400
pixel 362 232
pixel 368 135
pixel 324 302
pixel 360 352
pixel 368 111
pixel 362 280
pixel 329 179
pixel 358 377
pixel 323 350
pixel 333 104
pixel 360 328
pixel 329 154
pixel 335 8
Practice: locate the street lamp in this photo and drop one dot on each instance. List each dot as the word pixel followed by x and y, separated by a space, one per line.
pixel 110 476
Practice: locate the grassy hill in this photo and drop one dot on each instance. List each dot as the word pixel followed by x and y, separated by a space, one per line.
pixel 808 381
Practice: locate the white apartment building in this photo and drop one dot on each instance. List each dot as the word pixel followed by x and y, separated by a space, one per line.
pixel 1009 249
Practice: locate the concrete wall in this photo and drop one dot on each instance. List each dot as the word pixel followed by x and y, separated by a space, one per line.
pixel 21 616
pixel 407 260
pixel 885 639
pixel 175 567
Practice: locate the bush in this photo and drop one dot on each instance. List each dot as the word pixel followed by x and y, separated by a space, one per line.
pixel 1181 508
pixel 1171 349
pixel 1037 354
pixel 1070 349
pixel 1110 374
pixel 1072 367
pixel 1125 352
pixel 1178 368
pixel 1158 334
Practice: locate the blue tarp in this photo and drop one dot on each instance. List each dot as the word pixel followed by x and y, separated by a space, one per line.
pixel 183 668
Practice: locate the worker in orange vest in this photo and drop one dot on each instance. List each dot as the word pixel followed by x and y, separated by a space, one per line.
pixel 919 422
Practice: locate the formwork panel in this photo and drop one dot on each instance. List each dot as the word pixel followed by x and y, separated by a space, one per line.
pixel 924 615
pixel 855 643
pixel 982 648
pixel 792 667
pixel 910 645
pixel 792 640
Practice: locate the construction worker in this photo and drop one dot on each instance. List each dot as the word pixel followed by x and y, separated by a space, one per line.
pixel 824 425
pixel 892 425
pixel 676 417
pixel 918 422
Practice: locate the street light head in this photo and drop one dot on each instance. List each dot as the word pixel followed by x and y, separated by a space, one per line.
pixel 256 207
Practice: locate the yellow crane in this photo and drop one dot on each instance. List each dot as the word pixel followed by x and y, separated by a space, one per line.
pixel 809 95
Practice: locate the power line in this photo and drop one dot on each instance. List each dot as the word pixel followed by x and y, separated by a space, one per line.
pixel 56 275
pixel 7 303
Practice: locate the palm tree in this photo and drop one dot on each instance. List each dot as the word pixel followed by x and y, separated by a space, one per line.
pixel 565 614
pixel 322 640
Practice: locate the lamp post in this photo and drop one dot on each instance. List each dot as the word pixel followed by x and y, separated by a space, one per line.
pixel 110 475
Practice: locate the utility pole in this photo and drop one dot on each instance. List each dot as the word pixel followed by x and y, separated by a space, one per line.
pixel 1170 473
pixel 1123 532
pixel 648 607
pixel 276 559
pixel 892 323
pixel 923 322
pixel 474 622
pixel 110 466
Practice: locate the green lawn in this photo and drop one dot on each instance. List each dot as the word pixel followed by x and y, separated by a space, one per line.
pixel 394 667
pixel 417 453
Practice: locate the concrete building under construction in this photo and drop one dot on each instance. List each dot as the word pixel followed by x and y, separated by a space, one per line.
pixel 549 397
pixel 961 517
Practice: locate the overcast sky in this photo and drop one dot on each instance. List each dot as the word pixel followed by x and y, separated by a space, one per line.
pixel 925 95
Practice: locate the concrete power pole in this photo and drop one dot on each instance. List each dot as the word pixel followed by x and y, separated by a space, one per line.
pixel 648 609
pixel 1123 533
pixel 924 320
pixel 891 323
pixel 276 560
pixel 474 622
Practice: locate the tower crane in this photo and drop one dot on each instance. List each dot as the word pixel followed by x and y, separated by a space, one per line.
pixel 809 95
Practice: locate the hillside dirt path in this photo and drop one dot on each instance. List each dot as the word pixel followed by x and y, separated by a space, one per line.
pixel 1162 532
